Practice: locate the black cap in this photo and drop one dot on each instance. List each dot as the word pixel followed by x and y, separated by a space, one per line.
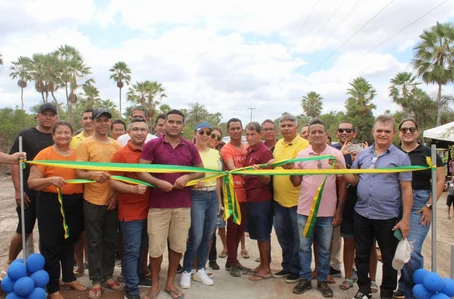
pixel 100 111
pixel 47 106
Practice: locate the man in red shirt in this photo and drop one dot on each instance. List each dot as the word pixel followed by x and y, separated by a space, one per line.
pixel 233 155
pixel 132 207
pixel 259 212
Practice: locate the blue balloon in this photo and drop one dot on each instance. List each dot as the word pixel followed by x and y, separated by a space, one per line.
pixel 35 262
pixel 448 287
pixel 19 260
pixel 40 278
pixel 14 296
pixel 7 284
pixel 419 275
pixel 420 292
pixel 24 286
pixel 38 293
pixel 432 282
pixel 17 270
pixel 439 296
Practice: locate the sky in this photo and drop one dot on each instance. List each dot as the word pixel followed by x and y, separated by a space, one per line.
pixel 227 55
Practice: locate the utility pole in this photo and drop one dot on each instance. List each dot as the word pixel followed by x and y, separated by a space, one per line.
pixel 251 112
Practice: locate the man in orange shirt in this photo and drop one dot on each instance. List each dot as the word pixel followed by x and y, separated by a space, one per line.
pixel 233 155
pixel 132 207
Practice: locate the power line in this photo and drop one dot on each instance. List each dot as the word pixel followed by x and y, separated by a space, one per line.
pixel 305 22
pixel 437 6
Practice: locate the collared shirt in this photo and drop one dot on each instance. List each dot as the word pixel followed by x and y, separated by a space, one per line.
pixel 228 151
pixel 421 179
pixel 256 191
pixel 159 151
pixel 123 139
pixel 310 183
pixel 131 206
pixel 379 195
pixel 284 191
pixel 78 139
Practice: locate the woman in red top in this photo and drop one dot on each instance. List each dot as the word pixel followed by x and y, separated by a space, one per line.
pixel 47 179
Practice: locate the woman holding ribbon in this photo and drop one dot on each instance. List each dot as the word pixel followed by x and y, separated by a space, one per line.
pixel 59 210
pixel 421 211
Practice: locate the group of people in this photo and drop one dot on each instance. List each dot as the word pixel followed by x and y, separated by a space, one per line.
pixel 182 209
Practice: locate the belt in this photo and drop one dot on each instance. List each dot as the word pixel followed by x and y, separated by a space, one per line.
pixel 212 188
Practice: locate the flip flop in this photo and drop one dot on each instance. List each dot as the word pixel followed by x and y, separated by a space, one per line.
pixel 250 272
pixel 245 254
pixel 113 285
pixel 95 292
pixel 373 287
pixel 77 274
pixel 3 274
pixel 256 277
pixel 174 294
pixel 151 295
pixel 76 286
pixel 223 254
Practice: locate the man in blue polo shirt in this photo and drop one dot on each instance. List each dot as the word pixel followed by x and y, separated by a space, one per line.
pixel 380 197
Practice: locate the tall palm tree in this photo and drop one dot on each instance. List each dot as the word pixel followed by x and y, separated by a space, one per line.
pixel 1 59
pixel 402 88
pixel 197 113
pixel 312 104
pixel 434 58
pixel 90 93
pixel 21 69
pixel 148 94
pixel 45 71
pixel 120 72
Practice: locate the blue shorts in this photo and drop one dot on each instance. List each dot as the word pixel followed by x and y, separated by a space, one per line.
pixel 260 220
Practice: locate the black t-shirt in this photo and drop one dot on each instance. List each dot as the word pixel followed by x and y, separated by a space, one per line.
pixel 33 141
pixel 422 178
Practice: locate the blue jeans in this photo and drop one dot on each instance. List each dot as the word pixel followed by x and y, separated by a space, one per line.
pixel 286 227
pixel 203 222
pixel 322 234
pixel 135 239
pixel 416 237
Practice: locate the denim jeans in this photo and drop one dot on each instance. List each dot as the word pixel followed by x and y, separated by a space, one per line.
pixel 286 227
pixel 322 234
pixel 416 237
pixel 135 239
pixel 203 222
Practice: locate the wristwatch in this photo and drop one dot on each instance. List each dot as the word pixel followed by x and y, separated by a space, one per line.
pixel 429 205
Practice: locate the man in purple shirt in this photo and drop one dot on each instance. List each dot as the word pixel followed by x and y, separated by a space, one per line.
pixel 377 210
pixel 170 203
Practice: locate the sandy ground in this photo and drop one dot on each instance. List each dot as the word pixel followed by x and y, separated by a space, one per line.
pixel 227 286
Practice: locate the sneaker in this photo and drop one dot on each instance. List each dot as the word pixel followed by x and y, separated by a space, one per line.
pixel 130 296
pixel 185 280
pixel 360 295
pixel 227 266
pixel 213 265
pixel 399 294
pixel 324 288
pixel 235 270
pixel 145 282
pixel 179 269
pixel 334 273
pixel 302 286
pixel 203 277
pixel 292 278
pixel 281 274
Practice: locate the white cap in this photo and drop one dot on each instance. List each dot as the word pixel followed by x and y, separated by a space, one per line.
pixel 402 255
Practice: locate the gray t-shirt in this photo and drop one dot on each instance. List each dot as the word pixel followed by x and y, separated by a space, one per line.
pixel 451 188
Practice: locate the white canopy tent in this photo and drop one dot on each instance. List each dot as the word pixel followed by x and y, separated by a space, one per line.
pixel 444 132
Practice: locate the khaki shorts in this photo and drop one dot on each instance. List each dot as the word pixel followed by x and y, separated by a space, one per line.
pixel 173 224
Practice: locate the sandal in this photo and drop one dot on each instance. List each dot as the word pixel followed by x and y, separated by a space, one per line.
pixel 258 260
pixel 331 280
pixel 379 257
pixel 113 285
pixel 76 286
pixel 56 295
pixel 373 287
pixel 346 284
pixel 245 254
pixel 153 295
pixel 178 294
pixel 95 292
pixel 223 254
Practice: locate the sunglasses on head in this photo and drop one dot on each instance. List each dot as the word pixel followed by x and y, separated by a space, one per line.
pixel 214 136
pixel 405 130
pixel 203 132
pixel 345 130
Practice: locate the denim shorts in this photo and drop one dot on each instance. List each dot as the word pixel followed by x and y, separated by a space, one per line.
pixel 260 220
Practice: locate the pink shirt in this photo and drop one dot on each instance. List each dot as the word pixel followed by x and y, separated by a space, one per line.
pixel 310 183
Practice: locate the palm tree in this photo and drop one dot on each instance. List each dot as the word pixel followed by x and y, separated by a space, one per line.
pixel 21 69
pixel 90 93
pixel 434 58
pixel 120 72
pixel 1 59
pixel 402 88
pixel 312 104
pixel 197 113
pixel 148 94
pixel 45 71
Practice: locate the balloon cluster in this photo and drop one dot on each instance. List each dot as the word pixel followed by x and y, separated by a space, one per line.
pixel 26 282
pixel 430 285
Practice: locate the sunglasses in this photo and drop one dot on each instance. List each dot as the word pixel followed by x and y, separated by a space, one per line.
pixel 345 130
pixel 203 132
pixel 214 136
pixel 372 162
pixel 405 130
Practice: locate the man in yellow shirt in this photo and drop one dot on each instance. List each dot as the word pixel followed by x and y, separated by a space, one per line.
pixel 286 199
pixel 88 129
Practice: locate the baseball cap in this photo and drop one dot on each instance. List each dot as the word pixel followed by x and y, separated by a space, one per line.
pixel 402 255
pixel 47 106
pixel 100 111
pixel 202 125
